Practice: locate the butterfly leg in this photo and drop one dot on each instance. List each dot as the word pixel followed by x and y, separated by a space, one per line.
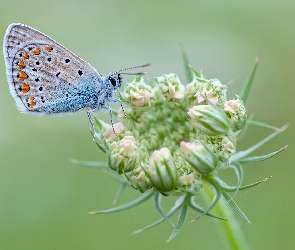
pixel 121 103
pixel 91 120
pixel 111 117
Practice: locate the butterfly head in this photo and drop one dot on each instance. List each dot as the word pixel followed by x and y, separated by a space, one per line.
pixel 115 80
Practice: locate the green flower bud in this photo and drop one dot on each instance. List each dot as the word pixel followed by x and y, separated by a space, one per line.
pixel 137 93
pixel 139 180
pixel 170 86
pixel 190 183
pixel 213 91
pixel 162 170
pixel 123 155
pixel 228 149
pixel 236 111
pixel 209 119
pixel 193 87
pixel 200 156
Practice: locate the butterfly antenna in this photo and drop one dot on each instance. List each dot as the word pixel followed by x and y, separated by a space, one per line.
pixel 140 73
pixel 134 74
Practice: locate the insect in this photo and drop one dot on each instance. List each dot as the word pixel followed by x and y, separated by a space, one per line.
pixel 46 78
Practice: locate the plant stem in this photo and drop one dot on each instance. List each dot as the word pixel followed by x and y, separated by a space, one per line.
pixel 230 231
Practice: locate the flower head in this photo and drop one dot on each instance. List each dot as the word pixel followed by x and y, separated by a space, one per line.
pixel 176 138
pixel 172 136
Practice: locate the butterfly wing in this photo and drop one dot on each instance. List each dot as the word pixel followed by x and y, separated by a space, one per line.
pixel 42 73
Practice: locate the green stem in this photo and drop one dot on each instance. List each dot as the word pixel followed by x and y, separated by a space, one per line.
pixel 230 231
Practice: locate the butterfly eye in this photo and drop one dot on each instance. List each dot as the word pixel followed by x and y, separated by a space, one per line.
pixel 120 78
pixel 113 81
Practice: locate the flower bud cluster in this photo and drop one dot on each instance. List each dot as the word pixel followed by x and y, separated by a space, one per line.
pixel 137 93
pixel 174 134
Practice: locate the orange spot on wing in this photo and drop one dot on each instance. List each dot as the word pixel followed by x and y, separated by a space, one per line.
pixel 21 65
pixel 48 48
pixel 36 51
pixel 25 56
pixel 25 88
pixel 22 76
pixel 31 102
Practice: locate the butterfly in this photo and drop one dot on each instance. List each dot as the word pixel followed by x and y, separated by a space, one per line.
pixel 46 78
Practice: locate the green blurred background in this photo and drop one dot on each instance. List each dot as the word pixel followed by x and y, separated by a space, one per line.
pixel 44 199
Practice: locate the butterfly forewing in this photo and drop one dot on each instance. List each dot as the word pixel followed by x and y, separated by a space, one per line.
pixel 36 64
